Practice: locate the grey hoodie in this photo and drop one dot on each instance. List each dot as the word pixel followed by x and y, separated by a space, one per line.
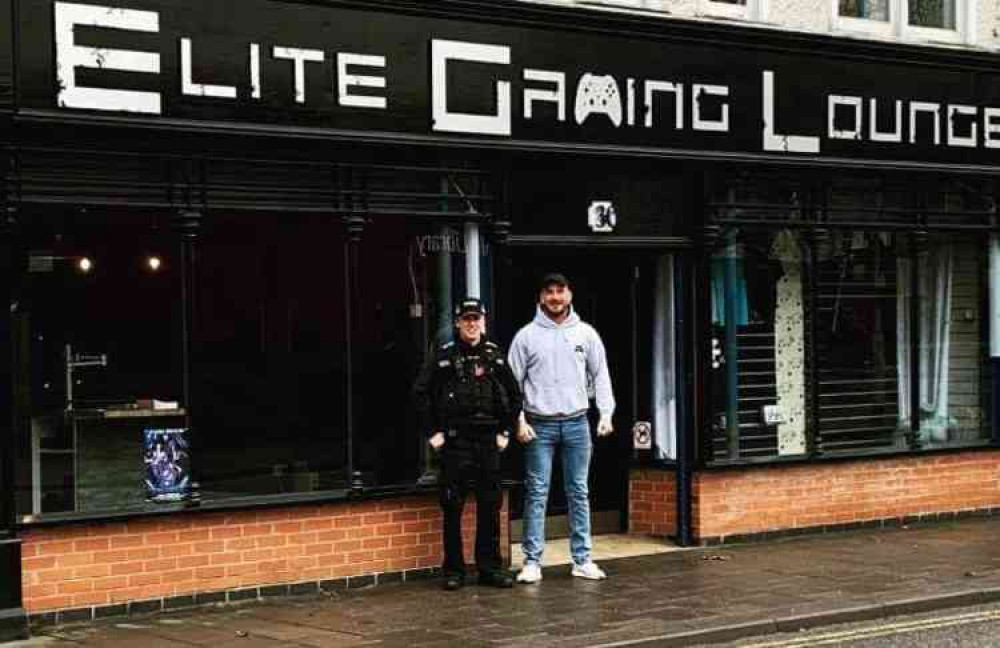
pixel 559 365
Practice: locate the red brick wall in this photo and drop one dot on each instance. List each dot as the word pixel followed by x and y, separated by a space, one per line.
pixel 652 505
pixel 758 499
pixel 86 564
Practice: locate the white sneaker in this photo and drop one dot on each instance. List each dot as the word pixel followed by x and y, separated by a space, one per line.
pixel 588 570
pixel 530 573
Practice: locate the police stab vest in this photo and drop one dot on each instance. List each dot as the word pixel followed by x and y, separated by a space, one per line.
pixel 473 390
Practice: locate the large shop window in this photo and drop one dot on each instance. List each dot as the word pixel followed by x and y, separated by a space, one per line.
pixel 97 358
pixel 412 272
pixel 268 356
pixel 856 341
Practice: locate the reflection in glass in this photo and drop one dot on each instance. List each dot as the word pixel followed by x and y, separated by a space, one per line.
pixel 412 274
pixel 932 13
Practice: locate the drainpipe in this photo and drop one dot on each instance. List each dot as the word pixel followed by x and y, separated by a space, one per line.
pixel 685 431
pixel 995 332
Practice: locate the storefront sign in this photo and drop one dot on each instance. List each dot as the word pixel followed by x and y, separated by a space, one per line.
pixel 258 62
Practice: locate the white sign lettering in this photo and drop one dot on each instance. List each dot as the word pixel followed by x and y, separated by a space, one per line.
pixel 602 103
pixel 70 56
pixel 772 140
pixel 555 95
pixel 443 51
pixel 346 80
pixel 299 56
pixel 188 87
pixel 897 132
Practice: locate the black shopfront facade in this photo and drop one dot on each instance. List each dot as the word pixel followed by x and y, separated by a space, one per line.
pixel 247 221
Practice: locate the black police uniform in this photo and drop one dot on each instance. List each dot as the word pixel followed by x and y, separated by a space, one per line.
pixel 469 393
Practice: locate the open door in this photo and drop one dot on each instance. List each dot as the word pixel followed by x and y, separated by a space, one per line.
pixel 627 296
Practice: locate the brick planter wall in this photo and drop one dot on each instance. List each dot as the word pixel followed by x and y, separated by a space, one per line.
pixel 761 499
pixel 87 565
pixel 652 502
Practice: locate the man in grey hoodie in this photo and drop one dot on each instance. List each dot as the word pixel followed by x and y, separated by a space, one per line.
pixel 556 360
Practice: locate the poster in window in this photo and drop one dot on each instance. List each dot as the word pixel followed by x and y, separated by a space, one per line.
pixel 167 464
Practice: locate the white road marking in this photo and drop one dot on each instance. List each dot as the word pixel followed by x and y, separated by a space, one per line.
pixel 880 631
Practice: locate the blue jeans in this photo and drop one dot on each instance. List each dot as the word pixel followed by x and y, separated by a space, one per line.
pixel 572 436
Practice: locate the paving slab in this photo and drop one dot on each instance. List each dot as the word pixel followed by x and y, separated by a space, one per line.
pixel 674 598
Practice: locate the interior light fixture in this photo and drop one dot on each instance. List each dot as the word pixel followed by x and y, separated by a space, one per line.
pixel 153 262
pixel 84 264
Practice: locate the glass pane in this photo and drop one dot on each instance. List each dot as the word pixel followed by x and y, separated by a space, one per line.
pixel 863 280
pixel 96 338
pixel 951 351
pixel 412 274
pixel 664 352
pixel 870 9
pixel 268 356
pixel 758 354
pixel 932 13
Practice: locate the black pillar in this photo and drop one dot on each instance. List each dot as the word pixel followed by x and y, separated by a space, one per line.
pixel 711 238
pixel 920 241
pixel 187 227
pixel 354 225
pixel 686 435
pixel 814 445
pixel 499 264
pixel 13 621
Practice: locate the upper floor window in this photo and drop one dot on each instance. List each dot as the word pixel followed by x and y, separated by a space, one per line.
pixel 745 9
pixel 646 5
pixel 932 20
pixel 739 9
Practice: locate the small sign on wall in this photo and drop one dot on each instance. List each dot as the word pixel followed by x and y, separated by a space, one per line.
pixel 771 415
pixel 601 216
pixel 642 435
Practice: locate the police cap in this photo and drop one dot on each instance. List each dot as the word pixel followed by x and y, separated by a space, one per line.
pixel 470 305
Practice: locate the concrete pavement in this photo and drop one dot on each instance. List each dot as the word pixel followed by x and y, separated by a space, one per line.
pixel 673 599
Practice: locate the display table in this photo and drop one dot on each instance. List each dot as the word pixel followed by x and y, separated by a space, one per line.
pixel 90 459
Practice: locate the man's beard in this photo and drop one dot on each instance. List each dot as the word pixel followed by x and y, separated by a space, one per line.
pixel 551 313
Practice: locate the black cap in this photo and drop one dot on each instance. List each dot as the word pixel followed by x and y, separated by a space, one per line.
pixel 470 305
pixel 553 278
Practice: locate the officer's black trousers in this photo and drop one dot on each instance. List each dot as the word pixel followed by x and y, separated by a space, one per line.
pixel 471 459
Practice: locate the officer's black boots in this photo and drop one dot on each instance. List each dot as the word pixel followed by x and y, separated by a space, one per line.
pixel 499 579
pixel 496 579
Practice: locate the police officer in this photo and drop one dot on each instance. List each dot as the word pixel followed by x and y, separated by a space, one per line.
pixel 467 402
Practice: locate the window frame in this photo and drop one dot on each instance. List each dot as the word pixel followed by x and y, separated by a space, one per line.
pixel 897 27
pixel 752 10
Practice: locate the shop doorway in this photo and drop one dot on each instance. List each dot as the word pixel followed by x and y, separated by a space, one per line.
pixel 626 297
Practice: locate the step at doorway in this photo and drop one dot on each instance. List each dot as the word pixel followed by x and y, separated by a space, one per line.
pixel 606 547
